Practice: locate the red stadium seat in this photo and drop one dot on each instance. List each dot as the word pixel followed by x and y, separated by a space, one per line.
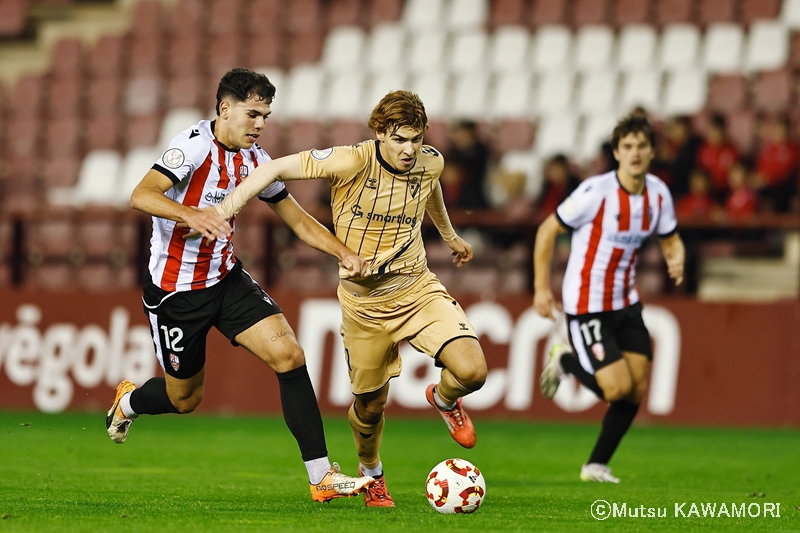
pixel 188 16
pixel 186 91
pixel 772 91
pixel 97 236
pixel 67 57
pixel 631 12
pixel 673 11
pixel 104 96
pixel 142 95
pixel 347 132
pixel 53 238
pixel 263 16
pixel 146 54
pixel 147 18
pixel 185 54
pixel 741 130
pixel 794 51
pixel 224 53
pixel 224 17
pixel 303 15
pixel 303 135
pixel 727 93
pixel 345 13
pixel 28 96
pixel 548 12
pixel 589 12
pixel 61 171
pixel 102 132
pixel 514 134
pixel 106 56
pixel 436 135
pixel 25 138
pixel 62 136
pixel 305 48
pixel 142 131
pixel 381 11
pixel 759 9
pixel 507 12
pixel 273 139
pixel 713 11
pixel 264 50
pixel 50 277
pixel 13 15
pixel 65 96
pixel 95 277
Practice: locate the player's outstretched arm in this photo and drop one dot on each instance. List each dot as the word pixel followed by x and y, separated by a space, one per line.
pixel 149 198
pixel 317 236
pixel 675 253
pixel 543 300
pixel 284 168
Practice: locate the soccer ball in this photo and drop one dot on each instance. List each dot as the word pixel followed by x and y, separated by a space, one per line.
pixel 455 486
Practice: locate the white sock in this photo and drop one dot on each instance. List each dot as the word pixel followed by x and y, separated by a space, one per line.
pixel 441 404
pixel 373 472
pixel 125 406
pixel 317 469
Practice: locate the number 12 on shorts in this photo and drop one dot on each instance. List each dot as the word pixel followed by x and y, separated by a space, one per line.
pixel 172 337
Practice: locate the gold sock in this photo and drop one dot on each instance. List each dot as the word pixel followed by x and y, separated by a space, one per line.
pixel 367 438
pixel 449 389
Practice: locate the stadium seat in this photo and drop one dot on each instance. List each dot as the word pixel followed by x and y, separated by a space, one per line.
pixel 95 277
pixel 548 12
pixel 185 54
pixel 685 92
pixel 343 96
pixel 25 140
pixel 468 51
pixel 384 11
pixel 225 53
pixel 421 16
pixel 142 95
pixel 62 136
pixel 177 120
pixel 132 169
pixel 141 130
pixel 790 14
pixel 28 96
pixel 432 88
pixel 263 16
pixel 679 46
pixel 147 18
pixel 304 135
pixel 469 96
pixel 265 50
pixel 348 132
pixel 589 12
pixel 593 48
pixel 385 47
pixel 49 276
pixel 511 96
pixel 67 57
pixel 345 13
pixel 105 57
pixel 65 97
pixel 436 134
pixel 302 16
pixel 426 53
pixel 514 134
pixel 224 16
pixel 342 50
pixel 722 49
pixel 673 11
pixel 552 48
pixel 727 93
pixel 626 12
pixel 145 55
pixel 509 48
pixel 716 11
pixel 507 13
pixel 529 164
pixel 61 171
pixel 465 15
pixel 759 10
pixel 597 91
pixel 641 88
pixel 98 178
pixel 556 134
pixel 103 95
pixel 597 129
pixel 767 46
pixel 554 93
pixel 794 50
pixel 741 130
pixel 303 93
pixel 186 91
pixel 305 48
pixel 636 47
pixel 97 236
pixel 772 91
pixel 102 132
pixel 189 17
pixel 379 85
pixel 13 15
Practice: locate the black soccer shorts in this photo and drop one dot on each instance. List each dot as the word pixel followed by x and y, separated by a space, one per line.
pixel 180 321
pixel 598 339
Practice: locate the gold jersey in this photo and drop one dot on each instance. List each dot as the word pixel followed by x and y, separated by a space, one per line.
pixel 378 210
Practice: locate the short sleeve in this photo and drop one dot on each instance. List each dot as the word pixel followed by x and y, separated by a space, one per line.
pixel 667 222
pixel 581 206
pixel 185 154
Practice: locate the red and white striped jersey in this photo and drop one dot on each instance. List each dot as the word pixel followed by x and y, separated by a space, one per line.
pixel 203 172
pixel 609 226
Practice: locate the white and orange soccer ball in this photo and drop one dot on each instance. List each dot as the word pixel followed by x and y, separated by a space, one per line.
pixel 455 486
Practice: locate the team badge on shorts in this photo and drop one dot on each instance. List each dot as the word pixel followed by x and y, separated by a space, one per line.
pixel 174 361
pixel 598 351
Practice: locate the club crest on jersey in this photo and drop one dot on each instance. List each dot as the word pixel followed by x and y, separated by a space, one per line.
pixel 173 158
pixel 599 351
pixel 319 155
pixel 243 171
pixel 174 361
pixel 415 184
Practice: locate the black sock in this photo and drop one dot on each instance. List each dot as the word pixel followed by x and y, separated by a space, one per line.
pixel 571 365
pixel 301 412
pixel 151 398
pixel 618 419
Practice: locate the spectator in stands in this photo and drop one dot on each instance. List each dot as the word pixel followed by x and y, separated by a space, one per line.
pixel 464 177
pixel 776 164
pixel 559 182
pixel 676 155
pixel 717 156
pixel 698 203
pixel 742 201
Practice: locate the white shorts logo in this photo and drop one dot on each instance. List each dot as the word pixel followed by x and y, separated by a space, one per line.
pixel 321 154
pixel 173 158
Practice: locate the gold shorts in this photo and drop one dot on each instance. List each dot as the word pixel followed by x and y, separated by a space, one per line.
pixel 423 314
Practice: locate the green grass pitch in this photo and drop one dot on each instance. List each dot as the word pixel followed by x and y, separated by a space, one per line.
pixel 201 473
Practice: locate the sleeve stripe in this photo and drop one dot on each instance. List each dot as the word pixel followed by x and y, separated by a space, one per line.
pixel 167 173
pixel 564 224
pixel 669 233
pixel 274 199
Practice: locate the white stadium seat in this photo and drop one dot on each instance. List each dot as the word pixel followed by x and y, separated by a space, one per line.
pixel 469 96
pixel 597 92
pixel 343 49
pixel 552 48
pixel 135 165
pixel 468 51
pixel 510 46
pixel 722 50
pixel 98 178
pixel 467 14
pixel 303 96
pixel 343 96
pixel 767 46
pixel 593 48
pixel 528 163
pixel 176 121
pixel 556 134
pixel 385 47
pixel 554 93
pixel 685 92
pixel 511 96
pixel 422 16
pixel 641 88
pixel 679 46
pixel 426 51
pixel 596 130
pixel 636 47
pixel 790 14
pixel 432 89
pixel 378 86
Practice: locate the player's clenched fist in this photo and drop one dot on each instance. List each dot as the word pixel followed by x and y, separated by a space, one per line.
pixel 357 267
pixel 462 251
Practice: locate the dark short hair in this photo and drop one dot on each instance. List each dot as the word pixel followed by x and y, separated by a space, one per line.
pixel 398 109
pixel 633 123
pixel 241 84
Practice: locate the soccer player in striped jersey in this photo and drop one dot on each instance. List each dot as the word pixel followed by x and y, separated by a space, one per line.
pixel 609 216
pixel 380 191
pixel 195 284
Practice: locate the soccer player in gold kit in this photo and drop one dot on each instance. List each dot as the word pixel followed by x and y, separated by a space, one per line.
pixel 380 191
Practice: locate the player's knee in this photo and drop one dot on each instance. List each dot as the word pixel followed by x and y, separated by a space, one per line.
pixel 187 405
pixel 290 358
pixel 616 391
pixel 473 378
pixel 638 391
pixel 370 413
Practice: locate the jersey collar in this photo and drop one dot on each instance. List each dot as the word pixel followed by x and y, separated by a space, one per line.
pixel 387 166
pixel 212 123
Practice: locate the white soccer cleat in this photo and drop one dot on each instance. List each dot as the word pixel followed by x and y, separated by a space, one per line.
pixel 117 423
pixel 338 485
pixel 597 472
pixel 553 371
